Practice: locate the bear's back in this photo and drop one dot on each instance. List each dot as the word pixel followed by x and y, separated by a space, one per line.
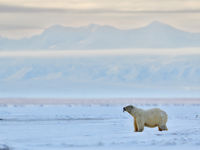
pixel 155 115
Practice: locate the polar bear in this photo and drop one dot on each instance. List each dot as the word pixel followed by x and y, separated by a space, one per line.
pixel 150 118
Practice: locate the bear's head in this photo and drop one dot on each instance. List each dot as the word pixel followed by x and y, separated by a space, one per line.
pixel 128 108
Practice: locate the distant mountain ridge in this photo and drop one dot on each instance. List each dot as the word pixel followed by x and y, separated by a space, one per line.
pixel 154 35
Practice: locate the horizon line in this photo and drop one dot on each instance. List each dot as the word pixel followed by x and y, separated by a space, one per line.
pixel 98 53
pixel 99 101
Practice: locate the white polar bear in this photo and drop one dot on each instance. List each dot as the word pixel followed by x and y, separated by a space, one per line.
pixel 150 118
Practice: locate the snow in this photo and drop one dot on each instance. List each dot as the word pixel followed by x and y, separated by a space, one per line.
pixel 87 127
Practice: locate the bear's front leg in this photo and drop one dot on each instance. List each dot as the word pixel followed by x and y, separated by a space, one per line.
pixel 135 125
pixel 141 129
pixel 140 125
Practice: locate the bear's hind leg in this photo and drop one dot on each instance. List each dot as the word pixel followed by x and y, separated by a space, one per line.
pixel 162 127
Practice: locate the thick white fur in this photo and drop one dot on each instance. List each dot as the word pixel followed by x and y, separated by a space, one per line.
pixel 151 118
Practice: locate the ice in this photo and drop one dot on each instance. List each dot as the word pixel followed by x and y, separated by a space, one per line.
pixel 87 127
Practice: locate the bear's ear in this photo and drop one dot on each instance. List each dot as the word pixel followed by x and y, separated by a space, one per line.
pixel 133 107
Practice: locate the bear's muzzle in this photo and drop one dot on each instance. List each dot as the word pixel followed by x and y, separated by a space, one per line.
pixel 124 109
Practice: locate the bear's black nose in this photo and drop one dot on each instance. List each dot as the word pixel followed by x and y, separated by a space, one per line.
pixel 124 109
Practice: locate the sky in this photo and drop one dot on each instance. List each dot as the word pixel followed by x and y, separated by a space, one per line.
pixel 24 18
pixel 151 73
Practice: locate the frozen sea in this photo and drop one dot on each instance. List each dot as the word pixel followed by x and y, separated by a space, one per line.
pixel 88 127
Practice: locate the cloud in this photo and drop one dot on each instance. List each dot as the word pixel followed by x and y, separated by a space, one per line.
pixel 19 74
pixel 50 76
pixel 23 9
pixel 18 27
pixel 140 73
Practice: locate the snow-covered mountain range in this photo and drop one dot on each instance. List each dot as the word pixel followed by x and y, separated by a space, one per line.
pixel 93 36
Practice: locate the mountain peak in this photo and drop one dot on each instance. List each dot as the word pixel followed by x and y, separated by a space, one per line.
pixel 93 27
pixel 157 24
pixel 97 27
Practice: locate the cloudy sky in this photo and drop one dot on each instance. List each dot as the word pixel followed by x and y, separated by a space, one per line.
pixel 21 18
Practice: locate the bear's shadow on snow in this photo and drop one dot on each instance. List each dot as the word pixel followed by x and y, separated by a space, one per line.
pixel 4 147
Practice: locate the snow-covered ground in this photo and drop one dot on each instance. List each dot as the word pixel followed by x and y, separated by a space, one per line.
pixel 59 127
